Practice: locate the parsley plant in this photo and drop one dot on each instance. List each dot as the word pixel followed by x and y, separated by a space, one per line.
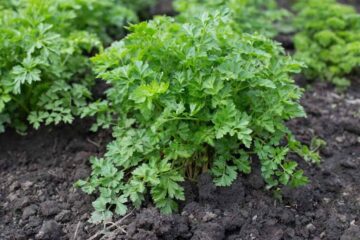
pixel 187 98
pixel 328 41
pixel 45 73
pixel 250 16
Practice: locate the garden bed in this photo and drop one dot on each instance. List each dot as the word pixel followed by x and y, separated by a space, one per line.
pixel 38 199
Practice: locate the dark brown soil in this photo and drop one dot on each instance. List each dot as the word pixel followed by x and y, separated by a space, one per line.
pixel 38 200
pixel 37 172
pixel 355 3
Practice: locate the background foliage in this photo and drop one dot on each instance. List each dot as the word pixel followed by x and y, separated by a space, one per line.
pixel 250 16
pixel 44 48
pixel 328 39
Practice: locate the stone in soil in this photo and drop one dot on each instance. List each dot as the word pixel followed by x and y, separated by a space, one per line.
pixel 50 230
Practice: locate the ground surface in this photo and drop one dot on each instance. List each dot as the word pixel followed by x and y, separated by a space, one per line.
pixel 38 200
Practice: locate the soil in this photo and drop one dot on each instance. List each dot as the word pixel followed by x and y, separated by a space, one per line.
pixel 37 172
pixel 38 200
pixel 354 3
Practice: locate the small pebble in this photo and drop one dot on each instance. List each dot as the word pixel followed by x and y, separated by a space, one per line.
pixel 209 216
pixel 50 230
pixel 310 227
pixel 29 211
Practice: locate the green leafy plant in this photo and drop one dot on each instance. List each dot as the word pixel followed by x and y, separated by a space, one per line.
pixel 45 74
pixel 187 98
pixel 105 18
pixel 328 40
pixel 250 16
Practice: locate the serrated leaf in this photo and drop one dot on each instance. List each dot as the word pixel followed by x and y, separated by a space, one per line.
pixel 243 163
pixel 224 174
pixel 167 205
pixel 98 217
pixel 100 204
pixel 266 83
pixel 121 208
pixel 298 179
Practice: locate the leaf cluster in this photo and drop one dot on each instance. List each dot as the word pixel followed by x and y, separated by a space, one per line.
pixel 250 16
pixel 45 74
pixel 328 40
pixel 187 98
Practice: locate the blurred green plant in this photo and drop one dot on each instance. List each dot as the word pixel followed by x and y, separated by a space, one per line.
pixel 250 16
pixel 328 40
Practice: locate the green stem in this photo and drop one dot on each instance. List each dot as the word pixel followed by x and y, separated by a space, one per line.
pixel 184 118
pixel 22 105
